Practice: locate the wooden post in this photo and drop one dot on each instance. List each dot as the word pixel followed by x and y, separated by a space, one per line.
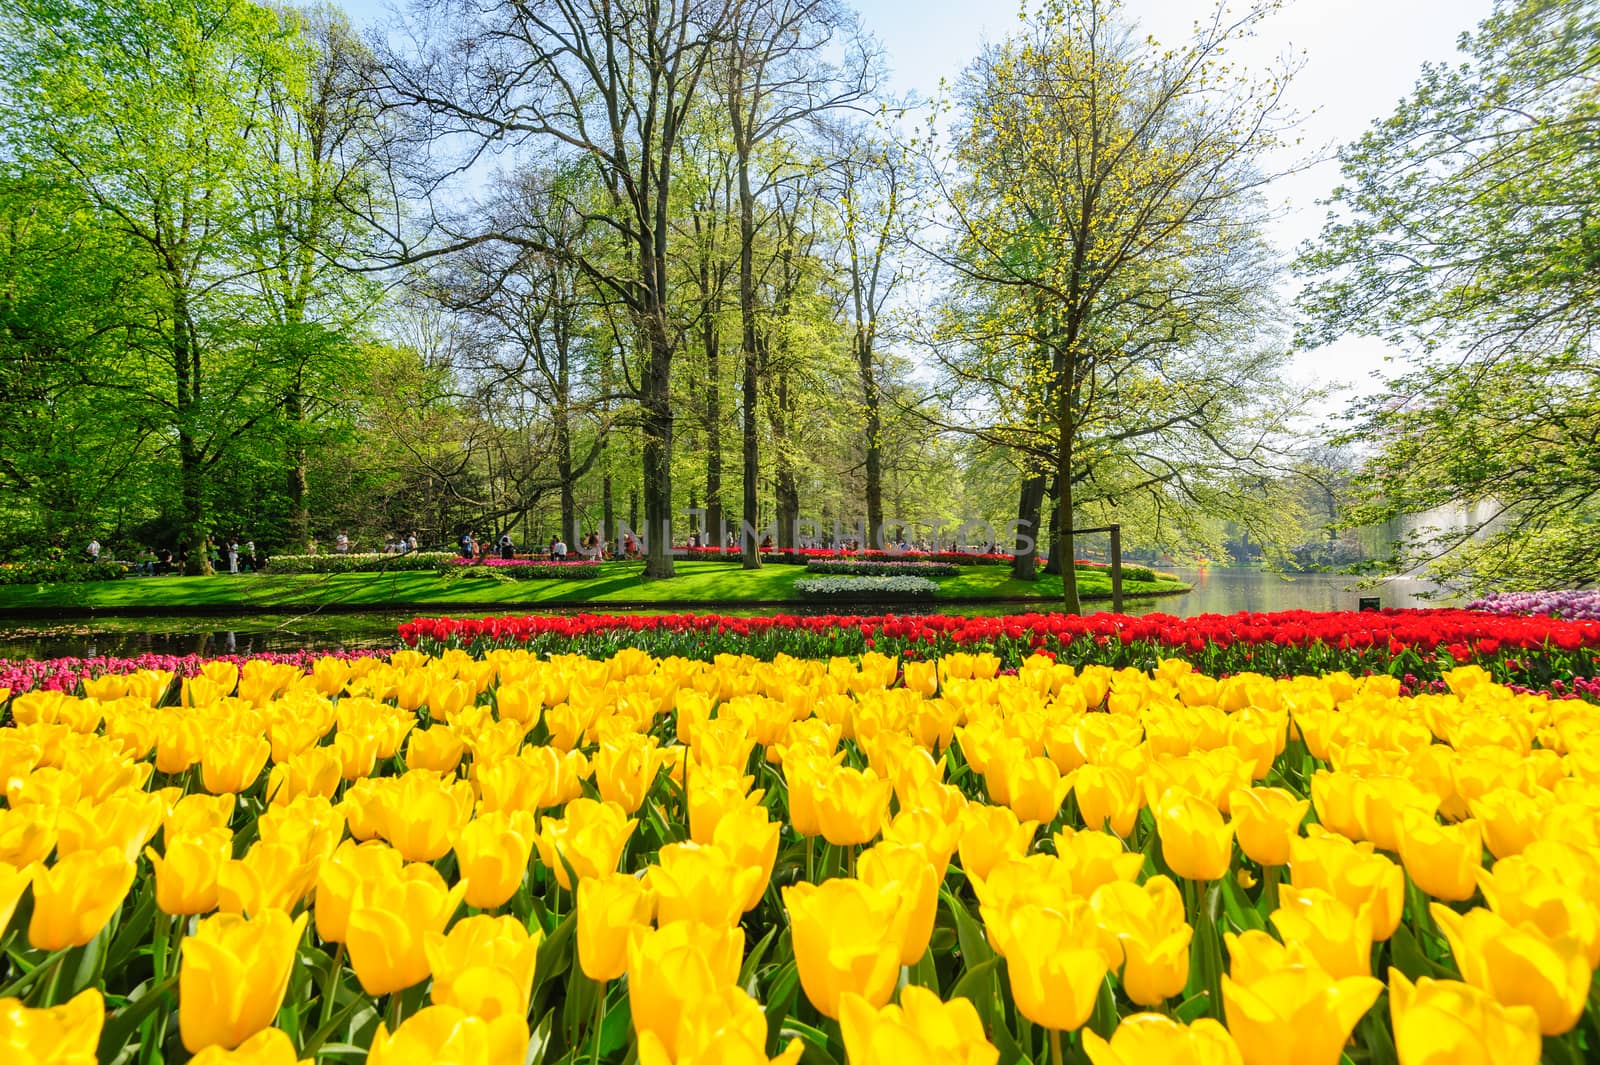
pixel 1116 568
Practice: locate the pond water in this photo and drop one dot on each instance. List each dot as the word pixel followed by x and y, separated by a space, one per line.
pixel 1216 591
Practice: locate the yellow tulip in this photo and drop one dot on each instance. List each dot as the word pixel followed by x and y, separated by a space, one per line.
pixel 448 1034
pixel 1148 920
pixel 67 1034
pixel 14 880
pixel 1035 789
pixel 921 1029
pixel 751 840
pixel 991 835
pixel 1518 965
pixel 806 772
pixel 847 937
pixel 1151 1037
pixel 672 970
pixel 698 883
pixel 126 820
pixel 609 909
pixel 485 965
pixel 1339 937
pixel 1524 889
pixel 1442 860
pixel 232 976
pixel 1095 858
pixel 853 806
pixel 590 838
pixel 537 778
pixel 74 898
pixel 936 836
pixel 1196 843
pixel 197 813
pixel 1057 960
pixel 388 929
pixel 437 748
pixel 897 869
pixel 186 876
pixel 1108 797
pixel 421 814
pixel 179 744
pixel 1510 820
pixel 344 880
pixel 27 835
pixel 625 769
pixel 492 852
pixel 315 772
pixel 1353 873
pixel 728 1027
pixel 231 763
pixel 1265 820
pixel 1385 805
pixel 270 876
pixel 270 1046
pixel 1294 1015
pixel 1444 1022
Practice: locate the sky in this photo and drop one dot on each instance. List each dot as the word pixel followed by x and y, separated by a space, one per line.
pixel 1359 58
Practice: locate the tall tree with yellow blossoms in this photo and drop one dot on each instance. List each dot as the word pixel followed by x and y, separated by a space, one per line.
pixel 1103 237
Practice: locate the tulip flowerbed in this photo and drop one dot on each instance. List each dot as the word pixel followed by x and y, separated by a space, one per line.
pixel 1417 646
pixel 512 858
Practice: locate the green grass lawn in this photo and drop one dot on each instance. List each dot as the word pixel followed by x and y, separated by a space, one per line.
pixel 619 582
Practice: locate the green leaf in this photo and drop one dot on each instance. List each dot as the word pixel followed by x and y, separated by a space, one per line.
pixel 925 973
pixel 121 1025
pixel 1241 912
pixel 979 986
pixel 975 949
pixel 135 931
pixel 816 1042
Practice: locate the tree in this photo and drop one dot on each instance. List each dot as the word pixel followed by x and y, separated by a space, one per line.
pixel 146 110
pixel 779 70
pixel 532 322
pixel 871 181
pixel 318 154
pixel 1105 179
pixel 1466 230
pixel 612 82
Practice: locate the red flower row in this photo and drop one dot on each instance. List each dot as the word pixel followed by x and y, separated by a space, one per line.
pixel 1461 633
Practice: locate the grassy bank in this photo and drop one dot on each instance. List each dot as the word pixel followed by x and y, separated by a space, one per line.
pixel 620 583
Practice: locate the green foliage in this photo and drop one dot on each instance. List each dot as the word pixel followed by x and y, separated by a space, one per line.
pixel 1466 231
pixel 361 562
pixel 1110 319
pixel 56 572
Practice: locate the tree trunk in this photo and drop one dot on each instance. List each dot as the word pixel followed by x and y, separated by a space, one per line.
pixel 1069 572
pixel 657 456
pixel 295 485
pixel 749 550
pixel 713 344
pixel 1052 562
pixel 1025 566
pixel 569 506
pixel 191 473
pixel 874 432
pixel 786 482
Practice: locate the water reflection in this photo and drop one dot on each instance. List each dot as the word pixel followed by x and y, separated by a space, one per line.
pixel 1229 591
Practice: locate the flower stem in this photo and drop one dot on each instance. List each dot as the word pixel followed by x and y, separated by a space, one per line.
pixel 599 1021
pixel 1055 1046
pixel 330 985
